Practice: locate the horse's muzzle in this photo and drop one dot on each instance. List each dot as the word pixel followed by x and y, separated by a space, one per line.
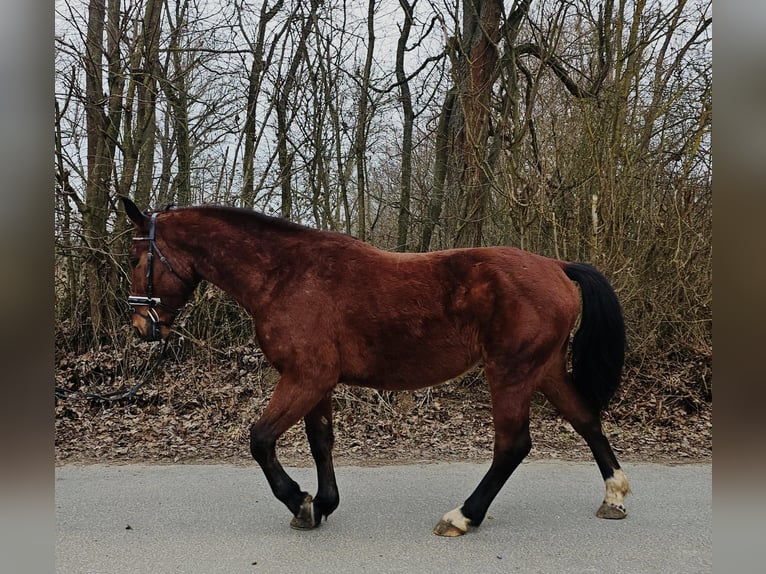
pixel 149 327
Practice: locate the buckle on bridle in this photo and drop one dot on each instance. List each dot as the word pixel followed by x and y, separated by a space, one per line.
pixel 152 303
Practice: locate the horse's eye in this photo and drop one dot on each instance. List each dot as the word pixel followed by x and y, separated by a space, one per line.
pixel 134 262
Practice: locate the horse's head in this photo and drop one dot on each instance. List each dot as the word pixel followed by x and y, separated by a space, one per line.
pixel 161 281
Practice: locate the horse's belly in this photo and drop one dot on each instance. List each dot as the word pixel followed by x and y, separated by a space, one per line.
pixel 412 367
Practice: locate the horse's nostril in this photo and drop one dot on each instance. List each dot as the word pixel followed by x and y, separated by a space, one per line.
pixel 138 332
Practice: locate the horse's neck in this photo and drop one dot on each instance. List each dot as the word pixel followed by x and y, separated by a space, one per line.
pixel 237 260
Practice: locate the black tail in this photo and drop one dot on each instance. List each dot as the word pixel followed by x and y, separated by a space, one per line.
pixel 598 347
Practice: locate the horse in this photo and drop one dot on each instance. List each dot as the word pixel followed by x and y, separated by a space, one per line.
pixel 328 309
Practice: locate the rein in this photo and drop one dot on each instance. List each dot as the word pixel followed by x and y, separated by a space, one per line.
pixel 119 395
pixel 151 302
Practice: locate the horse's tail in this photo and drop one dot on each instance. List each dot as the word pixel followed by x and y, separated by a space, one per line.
pixel 598 347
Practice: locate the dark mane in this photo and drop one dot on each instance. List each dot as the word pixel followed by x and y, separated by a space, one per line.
pixel 249 217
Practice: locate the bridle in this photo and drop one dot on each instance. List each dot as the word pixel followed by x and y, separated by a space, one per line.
pixel 150 301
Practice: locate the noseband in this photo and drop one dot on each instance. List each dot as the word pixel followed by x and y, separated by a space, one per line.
pixel 153 303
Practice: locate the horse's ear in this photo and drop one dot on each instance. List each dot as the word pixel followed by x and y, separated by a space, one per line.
pixel 133 212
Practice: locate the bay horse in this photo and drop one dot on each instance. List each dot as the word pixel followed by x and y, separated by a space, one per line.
pixel 328 308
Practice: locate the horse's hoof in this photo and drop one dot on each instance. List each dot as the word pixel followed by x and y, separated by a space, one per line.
pixel 454 523
pixel 611 511
pixel 445 528
pixel 304 520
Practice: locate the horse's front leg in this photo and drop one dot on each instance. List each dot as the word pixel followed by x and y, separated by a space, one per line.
pixel 321 439
pixel 292 400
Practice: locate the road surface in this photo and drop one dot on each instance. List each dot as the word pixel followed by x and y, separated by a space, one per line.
pixel 207 519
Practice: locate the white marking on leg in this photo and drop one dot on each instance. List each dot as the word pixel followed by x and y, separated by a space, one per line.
pixel 457 519
pixel 617 488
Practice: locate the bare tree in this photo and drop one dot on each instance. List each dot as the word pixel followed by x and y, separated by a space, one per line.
pixel 360 138
pixel 174 84
pixel 474 69
pixel 146 122
pixel 260 60
pixel 408 120
pixel 103 116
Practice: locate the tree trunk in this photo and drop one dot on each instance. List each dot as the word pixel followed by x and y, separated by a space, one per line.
pixel 481 33
pixel 284 120
pixel 175 88
pixel 360 139
pixel 147 102
pixel 441 161
pixel 248 185
pixel 409 119
pixel 102 128
pixel 254 80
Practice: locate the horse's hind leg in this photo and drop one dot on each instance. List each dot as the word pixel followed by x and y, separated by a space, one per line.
pixel 292 400
pixel 511 397
pixel 321 439
pixel 561 393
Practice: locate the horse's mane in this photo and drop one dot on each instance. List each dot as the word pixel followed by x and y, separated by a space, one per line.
pixel 248 217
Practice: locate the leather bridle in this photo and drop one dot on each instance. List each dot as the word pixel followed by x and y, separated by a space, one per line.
pixel 150 301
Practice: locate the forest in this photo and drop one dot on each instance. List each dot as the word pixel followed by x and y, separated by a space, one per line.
pixel 576 129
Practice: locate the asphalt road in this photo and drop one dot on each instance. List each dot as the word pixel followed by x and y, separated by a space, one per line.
pixel 206 519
